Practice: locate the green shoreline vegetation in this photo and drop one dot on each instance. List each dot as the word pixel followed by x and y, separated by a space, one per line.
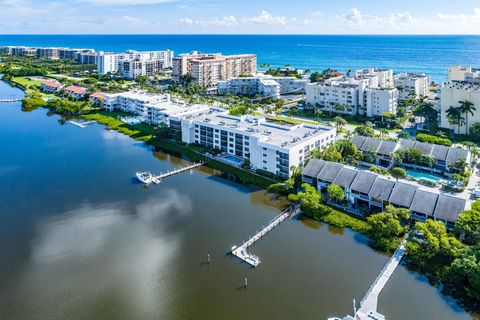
pixel 450 258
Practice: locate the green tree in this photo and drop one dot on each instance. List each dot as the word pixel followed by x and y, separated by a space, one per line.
pixel 398 173
pixel 468 226
pixel 466 107
pixel 365 131
pixel 335 192
pixel 142 81
pixel 341 107
pixel 384 230
pixel 432 248
pixel 401 214
pixel 464 273
pixel 475 129
pixel 339 122
pixel 309 200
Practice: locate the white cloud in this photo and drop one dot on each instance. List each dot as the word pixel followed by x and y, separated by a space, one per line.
pixel 266 18
pixel 353 17
pixel 227 21
pixel 124 2
pixel 231 21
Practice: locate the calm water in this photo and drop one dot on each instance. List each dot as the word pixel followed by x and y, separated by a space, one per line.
pixel 80 239
pixel 429 54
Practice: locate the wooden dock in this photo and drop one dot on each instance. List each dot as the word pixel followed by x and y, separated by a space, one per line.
pixel 369 303
pixel 241 251
pixel 164 175
pixel 11 100
pixel 80 124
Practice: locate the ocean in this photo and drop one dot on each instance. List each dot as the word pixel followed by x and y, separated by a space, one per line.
pixel 426 54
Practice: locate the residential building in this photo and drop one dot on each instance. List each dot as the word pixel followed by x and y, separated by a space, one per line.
pixel 384 77
pixel 207 69
pixel 451 93
pixel 361 95
pixel 51 86
pixel 463 73
pixel 264 85
pixel 152 108
pixel 408 83
pixel 97 98
pixel 110 62
pixel 49 53
pixel 378 101
pixel 75 92
pixel 444 157
pixel 372 192
pixel 268 146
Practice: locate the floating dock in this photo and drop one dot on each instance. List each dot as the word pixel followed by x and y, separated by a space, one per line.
pixel 241 251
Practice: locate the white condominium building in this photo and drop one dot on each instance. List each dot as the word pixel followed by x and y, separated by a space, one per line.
pixel 463 73
pixel 268 146
pixel 360 95
pixel 264 85
pixel 380 100
pixel 152 108
pixel 207 69
pixel 451 93
pixel 384 77
pixel 109 62
pixel 408 83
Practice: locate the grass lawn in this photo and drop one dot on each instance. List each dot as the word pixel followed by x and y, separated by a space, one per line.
pixel 25 81
pixel 290 120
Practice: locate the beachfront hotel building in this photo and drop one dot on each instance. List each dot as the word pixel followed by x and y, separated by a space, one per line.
pixel 373 192
pixel 207 70
pixel 263 85
pixel 463 85
pixel 361 94
pixel 268 146
pixel 408 83
pixel 132 63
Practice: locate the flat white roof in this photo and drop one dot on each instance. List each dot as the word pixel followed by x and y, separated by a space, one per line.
pixel 269 132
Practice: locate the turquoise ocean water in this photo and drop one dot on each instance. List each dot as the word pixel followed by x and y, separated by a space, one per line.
pixel 428 54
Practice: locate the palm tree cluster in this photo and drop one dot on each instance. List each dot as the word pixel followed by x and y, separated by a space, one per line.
pixel 458 116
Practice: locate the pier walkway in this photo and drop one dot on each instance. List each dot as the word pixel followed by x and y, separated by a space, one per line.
pixel 369 303
pixel 81 124
pixel 241 251
pixel 164 175
pixel 11 100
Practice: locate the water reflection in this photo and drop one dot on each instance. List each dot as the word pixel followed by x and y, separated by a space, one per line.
pixel 107 251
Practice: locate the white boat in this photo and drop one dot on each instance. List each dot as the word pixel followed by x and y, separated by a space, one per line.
pixel 145 177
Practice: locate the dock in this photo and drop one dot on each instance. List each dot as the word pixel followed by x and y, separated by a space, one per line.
pixel 11 100
pixel 241 251
pixel 149 178
pixel 80 124
pixel 368 305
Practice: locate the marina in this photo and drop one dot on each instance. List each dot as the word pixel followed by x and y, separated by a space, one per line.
pixel 253 260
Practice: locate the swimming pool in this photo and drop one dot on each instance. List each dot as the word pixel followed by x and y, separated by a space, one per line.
pixel 423 175
pixel 233 159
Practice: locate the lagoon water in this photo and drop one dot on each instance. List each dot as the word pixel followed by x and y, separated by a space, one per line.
pixel 428 54
pixel 81 239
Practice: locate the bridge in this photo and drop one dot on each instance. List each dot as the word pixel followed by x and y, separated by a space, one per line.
pixel 241 251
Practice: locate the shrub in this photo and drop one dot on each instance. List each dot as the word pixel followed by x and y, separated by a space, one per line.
pixel 423 137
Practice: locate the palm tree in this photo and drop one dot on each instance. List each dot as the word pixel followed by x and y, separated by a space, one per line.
pixel 339 122
pixel 453 116
pixel 466 107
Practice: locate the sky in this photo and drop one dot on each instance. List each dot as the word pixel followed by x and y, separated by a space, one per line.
pixel 239 17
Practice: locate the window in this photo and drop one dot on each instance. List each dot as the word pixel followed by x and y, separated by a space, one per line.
pixel 264 154
pixel 265 161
